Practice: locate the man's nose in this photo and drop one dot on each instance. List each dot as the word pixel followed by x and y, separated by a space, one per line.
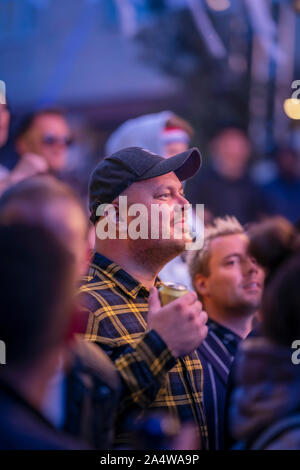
pixel 183 201
pixel 251 265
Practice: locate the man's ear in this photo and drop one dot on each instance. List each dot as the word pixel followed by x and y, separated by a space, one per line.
pixel 107 212
pixel 116 207
pixel 201 285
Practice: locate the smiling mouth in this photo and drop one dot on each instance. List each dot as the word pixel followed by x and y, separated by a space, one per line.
pixel 252 285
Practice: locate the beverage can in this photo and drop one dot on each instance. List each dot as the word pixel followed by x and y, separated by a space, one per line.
pixel 170 291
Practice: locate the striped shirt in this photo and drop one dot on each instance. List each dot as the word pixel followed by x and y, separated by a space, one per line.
pixel 152 377
pixel 216 354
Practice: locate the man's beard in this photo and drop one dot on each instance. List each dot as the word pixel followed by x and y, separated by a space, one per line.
pixel 157 253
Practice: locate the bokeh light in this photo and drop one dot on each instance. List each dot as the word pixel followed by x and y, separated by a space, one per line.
pixel 292 108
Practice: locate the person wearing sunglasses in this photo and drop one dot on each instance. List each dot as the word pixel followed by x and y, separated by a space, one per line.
pixel 45 133
pixel 42 143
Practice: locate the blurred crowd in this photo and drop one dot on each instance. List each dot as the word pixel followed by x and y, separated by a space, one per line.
pixel 93 360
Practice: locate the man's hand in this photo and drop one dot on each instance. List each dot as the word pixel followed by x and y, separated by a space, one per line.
pixel 181 323
pixel 30 164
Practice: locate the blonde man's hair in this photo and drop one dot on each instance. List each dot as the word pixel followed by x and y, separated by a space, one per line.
pixel 198 260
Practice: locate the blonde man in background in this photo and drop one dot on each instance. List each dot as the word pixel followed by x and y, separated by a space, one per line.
pixel 229 283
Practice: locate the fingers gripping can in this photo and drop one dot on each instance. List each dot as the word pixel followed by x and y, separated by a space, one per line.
pixel 170 291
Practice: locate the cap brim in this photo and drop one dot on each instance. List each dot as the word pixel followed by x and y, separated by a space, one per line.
pixel 185 165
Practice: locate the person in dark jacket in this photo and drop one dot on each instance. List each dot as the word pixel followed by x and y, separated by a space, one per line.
pixel 265 405
pixel 36 296
pixel 82 395
pixel 283 191
pixel 224 185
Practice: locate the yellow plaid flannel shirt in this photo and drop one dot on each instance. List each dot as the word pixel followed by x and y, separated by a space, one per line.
pixel 152 377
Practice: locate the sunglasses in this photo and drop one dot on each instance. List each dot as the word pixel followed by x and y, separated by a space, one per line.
pixel 55 140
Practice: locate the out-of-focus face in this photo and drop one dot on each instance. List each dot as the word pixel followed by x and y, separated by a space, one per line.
pixel 235 281
pixel 4 124
pixel 68 222
pixel 49 137
pixel 172 148
pixel 231 152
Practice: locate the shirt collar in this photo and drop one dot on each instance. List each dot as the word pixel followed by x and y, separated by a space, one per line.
pixel 120 277
pixel 227 336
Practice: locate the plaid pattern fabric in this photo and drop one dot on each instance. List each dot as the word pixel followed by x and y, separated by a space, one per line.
pixel 152 377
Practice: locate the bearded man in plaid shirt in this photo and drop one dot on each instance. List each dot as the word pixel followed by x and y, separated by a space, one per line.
pixel 154 348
